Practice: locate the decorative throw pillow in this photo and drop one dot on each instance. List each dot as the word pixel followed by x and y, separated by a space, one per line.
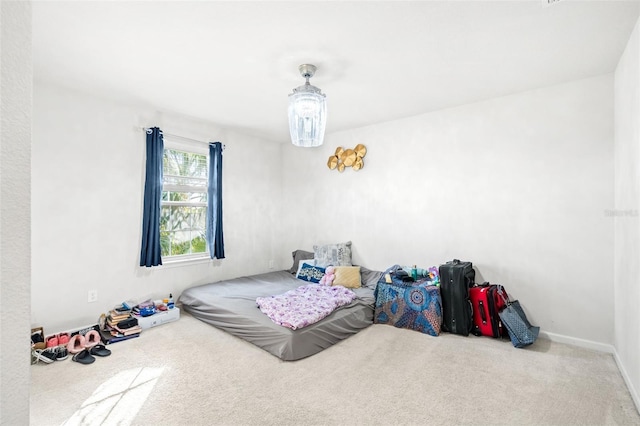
pixel 299 255
pixel 347 276
pixel 333 254
pixel 309 272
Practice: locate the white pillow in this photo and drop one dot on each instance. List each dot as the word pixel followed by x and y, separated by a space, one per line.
pixel 310 262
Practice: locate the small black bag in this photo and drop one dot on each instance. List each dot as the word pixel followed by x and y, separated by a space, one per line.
pixel 402 275
pixel 128 323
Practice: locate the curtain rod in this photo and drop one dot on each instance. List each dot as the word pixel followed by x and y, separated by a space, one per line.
pixel 146 129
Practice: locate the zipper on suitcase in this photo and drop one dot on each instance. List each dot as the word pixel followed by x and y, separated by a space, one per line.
pixel 451 307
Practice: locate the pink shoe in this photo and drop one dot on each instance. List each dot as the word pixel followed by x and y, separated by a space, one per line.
pixel 63 338
pixel 52 341
pixel 92 338
pixel 76 344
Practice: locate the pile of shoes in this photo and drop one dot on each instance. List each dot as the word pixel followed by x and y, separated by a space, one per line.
pixel 49 349
pixel 84 345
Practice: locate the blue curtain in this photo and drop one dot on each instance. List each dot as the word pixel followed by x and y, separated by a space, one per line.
pixel 150 253
pixel 215 240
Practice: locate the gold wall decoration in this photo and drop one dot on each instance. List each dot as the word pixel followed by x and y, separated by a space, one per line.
pixel 347 158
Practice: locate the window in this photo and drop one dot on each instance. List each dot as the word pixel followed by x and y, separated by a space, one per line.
pixel 183 207
pixel 182 210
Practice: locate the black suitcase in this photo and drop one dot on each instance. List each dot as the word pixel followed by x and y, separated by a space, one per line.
pixel 456 278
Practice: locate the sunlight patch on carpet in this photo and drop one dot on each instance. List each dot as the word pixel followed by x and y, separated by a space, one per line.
pixel 117 400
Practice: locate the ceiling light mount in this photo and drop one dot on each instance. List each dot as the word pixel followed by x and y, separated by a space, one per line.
pixel 307 71
pixel 307 111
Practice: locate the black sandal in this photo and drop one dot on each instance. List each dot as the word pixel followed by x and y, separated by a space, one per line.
pixel 83 357
pixel 100 350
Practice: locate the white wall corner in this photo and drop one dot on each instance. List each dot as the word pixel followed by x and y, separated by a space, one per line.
pixel 601 347
pixel 627 379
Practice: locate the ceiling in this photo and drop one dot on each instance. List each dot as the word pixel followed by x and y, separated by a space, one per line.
pixel 234 63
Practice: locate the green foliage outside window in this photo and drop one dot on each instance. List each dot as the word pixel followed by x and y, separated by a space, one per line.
pixel 184 203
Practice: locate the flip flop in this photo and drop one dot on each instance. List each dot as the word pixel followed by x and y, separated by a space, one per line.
pixel 83 357
pixel 100 350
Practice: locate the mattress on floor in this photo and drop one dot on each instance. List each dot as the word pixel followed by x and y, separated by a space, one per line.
pixel 231 306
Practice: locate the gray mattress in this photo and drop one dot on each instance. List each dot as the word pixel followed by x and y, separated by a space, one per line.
pixel 231 306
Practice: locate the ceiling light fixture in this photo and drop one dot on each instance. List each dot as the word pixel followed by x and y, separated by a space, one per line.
pixel 307 111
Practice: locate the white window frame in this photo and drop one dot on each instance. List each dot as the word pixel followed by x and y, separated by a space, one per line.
pixel 174 142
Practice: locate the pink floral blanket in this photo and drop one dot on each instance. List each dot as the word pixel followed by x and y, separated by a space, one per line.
pixel 304 305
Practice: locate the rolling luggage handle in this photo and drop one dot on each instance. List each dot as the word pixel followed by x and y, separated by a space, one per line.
pixel 499 290
pixel 483 314
pixel 501 329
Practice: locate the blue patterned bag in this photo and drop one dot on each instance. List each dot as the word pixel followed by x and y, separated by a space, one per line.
pixel 413 305
pixel 521 332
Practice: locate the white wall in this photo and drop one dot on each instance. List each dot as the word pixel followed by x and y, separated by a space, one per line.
pixel 627 204
pixel 15 183
pixel 519 185
pixel 88 178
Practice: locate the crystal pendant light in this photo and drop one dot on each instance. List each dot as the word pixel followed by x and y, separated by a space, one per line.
pixel 307 111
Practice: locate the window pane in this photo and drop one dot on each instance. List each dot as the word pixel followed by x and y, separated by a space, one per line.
pixel 198 218
pixel 185 197
pixel 198 197
pixel 180 243
pixel 183 218
pixel 180 218
pixel 184 181
pixel 165 217
pixel 183 206
pixel 187 164
pixel 178 196
pixel 198 243
pixel 165 243
pixel 182 230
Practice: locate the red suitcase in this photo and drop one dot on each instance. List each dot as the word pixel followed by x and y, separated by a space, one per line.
pixel 487 301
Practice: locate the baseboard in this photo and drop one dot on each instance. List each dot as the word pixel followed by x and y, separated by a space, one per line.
pixel 632 390
pixel 81 330
pixel 582 343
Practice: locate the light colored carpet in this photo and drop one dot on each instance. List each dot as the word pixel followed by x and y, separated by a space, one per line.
pixel 190 373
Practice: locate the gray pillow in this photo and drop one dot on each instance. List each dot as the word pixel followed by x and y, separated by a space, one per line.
pixel 299 255
pixel 333 254
pixel 370 278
